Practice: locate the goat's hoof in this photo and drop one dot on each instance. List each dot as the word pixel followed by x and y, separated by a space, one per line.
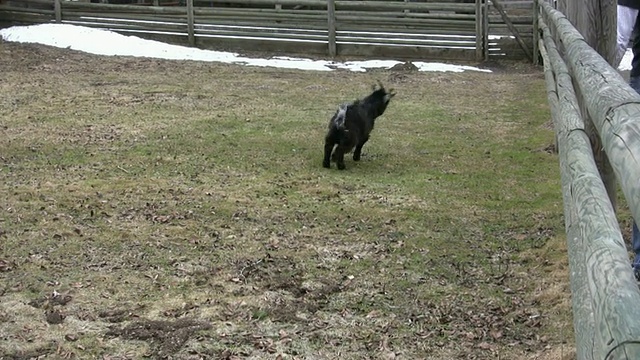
pixel 356 158
pixel 341 167
pixel 326 164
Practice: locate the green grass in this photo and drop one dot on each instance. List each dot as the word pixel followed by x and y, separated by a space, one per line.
pixel 184 209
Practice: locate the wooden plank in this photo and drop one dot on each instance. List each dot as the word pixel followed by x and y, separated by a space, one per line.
pixel 400 42
pixel 263 14
pixel 108 8
pixel 252 23
pixel 123 17
pixel 331 28
pixel 361 5
pixel 412 6
pixel 526 31
pixel 49 3
pixel 263 34
pixel 21 18
pixel 615 110
pixel 515 19
pixel 138 30
pixel 411 15
pixel 516 33
pixel 435 31
pixel 14 9
pixel 205 28
pixel 404 21
pixel 322 13
pixel 190 23
pixel 344 19
pixel 468 41
pixel 130 26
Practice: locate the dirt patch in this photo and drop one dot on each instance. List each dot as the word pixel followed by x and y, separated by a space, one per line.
pixel 52 305
pixel 165 337
pixel 404 67
pixel 295 297
pixel 117 315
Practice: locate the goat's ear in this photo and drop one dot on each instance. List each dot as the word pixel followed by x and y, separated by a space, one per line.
pixel 391 93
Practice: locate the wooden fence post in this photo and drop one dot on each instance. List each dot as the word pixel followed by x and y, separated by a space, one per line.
pixel 57 8
pixel 479 31
pixel 190 23
pixel 536 34
pixel 331 27
pixel 485 26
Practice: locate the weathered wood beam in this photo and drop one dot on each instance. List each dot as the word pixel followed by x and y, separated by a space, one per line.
pixel 566 119
pixel 14 9
pixel 611 286
pixel 179 10
pixel 613 106
pixel 41 2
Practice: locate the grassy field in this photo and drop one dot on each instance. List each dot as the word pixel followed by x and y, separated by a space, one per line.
pixel 169 209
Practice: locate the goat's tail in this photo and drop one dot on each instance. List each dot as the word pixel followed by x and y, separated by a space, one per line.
pixel 340 117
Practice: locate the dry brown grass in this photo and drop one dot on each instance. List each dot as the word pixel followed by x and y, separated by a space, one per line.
pixel 179 210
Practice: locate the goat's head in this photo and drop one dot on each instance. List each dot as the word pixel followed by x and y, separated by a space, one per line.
pixel 381 95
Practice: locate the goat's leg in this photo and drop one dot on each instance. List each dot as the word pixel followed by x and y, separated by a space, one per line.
pixel 328 148
pixel 339 157
pixel 358 150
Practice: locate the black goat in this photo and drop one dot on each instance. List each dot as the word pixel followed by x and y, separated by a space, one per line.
pixel 351 125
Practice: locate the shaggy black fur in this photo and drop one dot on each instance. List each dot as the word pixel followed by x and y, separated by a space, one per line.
pixel 351 125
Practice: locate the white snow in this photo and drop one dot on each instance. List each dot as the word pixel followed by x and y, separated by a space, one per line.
pixel 105 42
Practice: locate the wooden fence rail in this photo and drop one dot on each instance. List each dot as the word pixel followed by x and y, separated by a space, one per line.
pixel 435 29
pixel 605 296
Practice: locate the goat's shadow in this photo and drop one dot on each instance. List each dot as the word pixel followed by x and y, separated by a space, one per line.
pixel 371 163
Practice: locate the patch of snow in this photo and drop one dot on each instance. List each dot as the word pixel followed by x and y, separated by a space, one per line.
pixel 105 42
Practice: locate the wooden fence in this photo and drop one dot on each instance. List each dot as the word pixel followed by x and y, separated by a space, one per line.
pixel 422 29
pixel 605 296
